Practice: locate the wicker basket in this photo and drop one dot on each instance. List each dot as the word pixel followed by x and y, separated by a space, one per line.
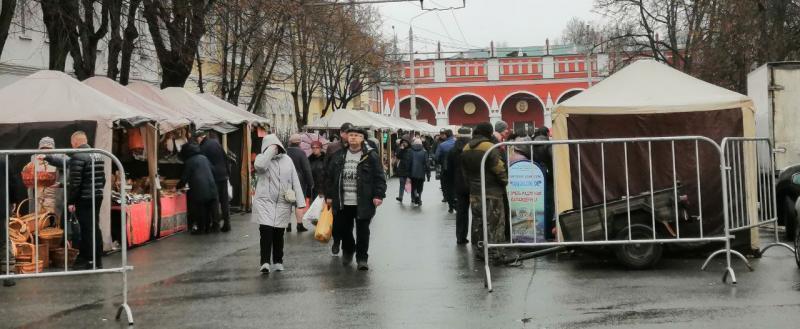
pixel 47 175
pixel 25 253
pixel 18 231
pixel 52 237
pixel 28 267
pixel 31 220
pixel 57 257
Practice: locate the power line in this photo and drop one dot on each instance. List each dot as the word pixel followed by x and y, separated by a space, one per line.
pixel 459 27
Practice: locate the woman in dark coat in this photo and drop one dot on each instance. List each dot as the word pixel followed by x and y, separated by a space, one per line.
pixel 202 195
pixel 402 165
pixel 317 162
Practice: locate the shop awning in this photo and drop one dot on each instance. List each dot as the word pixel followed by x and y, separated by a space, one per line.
pixel 235 110
pixel 169 120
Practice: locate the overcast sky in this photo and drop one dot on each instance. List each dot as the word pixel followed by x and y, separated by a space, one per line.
pixel 507 22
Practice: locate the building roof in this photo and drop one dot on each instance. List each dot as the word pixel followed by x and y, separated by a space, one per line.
pixel 528 51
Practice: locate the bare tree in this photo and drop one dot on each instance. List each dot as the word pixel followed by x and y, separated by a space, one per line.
pixel 182 25
pixel 306 30
pixel 354 58
pixel 57 26
pixel 121 42
pixel 7 8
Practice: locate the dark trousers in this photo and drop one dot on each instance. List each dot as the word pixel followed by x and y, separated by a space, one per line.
pixel 462 217
pixel 402 187
pixel 343 224
pixel 224 200
pixel 416 189
pixel 84 211
pixel 271 244
pixel 447 189
pixel 202 214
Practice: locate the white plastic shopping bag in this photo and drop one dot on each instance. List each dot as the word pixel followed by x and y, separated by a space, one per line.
pixel 313 212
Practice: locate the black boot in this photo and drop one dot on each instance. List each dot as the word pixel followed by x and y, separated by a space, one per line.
pixel 301 228
pixel 226 227
pixel 289 227
pixel 9 283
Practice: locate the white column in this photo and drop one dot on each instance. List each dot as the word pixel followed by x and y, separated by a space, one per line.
pixel 602 65
pixel 548 112
pixel 439 74
pixel 548 67
pixel 494 111
pixel 493 69
pixel 441 114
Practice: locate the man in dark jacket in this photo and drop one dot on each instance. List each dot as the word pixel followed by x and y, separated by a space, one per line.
pixel 418 170
pixel 215 153
pixel 201 199
pixel 356 187
pixel 459 184
pixel 333 148
pixel 402 166
pixel 441 159
pixel 87 178
pixel 543 154
pixel 496 180
pixel 303 168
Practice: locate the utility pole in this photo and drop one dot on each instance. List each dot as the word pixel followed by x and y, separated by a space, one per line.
pixel 413 90
pixel 398 61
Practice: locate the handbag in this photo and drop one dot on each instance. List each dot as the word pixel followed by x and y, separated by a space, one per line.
pixel 288 194
pixel 73 228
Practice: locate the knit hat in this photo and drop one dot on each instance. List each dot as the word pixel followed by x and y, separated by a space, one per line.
pixel 483 129
pixel 47 142
pixel 465 132
pixel 500 126
pixel 417 141
pixel 294 139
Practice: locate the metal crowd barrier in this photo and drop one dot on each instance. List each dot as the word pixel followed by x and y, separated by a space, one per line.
pixel 689 144
pixel 739 156
pixel 122 269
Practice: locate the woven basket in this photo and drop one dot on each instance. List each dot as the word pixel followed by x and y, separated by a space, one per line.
pixel 52 237
pixel 57 257
pixel 18 231
pixel 25 253
pixel 47 175
pixel 28 267
pixel 31 220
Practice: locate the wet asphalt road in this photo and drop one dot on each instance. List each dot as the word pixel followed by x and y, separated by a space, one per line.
pixel 418 278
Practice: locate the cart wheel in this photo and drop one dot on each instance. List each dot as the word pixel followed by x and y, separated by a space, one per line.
pixel 638 256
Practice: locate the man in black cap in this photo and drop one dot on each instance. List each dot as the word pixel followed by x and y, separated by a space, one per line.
pixel 356 187
pixel 332 149
pixel 496 181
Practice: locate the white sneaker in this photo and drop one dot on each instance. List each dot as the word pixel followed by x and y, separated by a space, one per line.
pixel 278 267
pixel 265 268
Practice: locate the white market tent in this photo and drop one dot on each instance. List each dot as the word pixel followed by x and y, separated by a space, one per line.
pixel 171 119
pixel 649 99
pixel 55 97
pixel 153 94
pixel 184 98
pixel 250 117
pixel 336 119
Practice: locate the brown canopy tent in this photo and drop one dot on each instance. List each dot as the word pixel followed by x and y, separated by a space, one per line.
pixel 650 99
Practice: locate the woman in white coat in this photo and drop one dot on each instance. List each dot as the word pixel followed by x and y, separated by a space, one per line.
pixel 277 190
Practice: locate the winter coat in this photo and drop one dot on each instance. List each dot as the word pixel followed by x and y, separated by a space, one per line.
pixel 303 168
pixel 80 187
pixel 198 175
pixel 496 175
pixel 213 151
pixel 332 149
pixel 402 162
pixel 458 182
pixel 371 181
pixel 417 159
pixel 442 150
pixel 276 174
pixel 317 164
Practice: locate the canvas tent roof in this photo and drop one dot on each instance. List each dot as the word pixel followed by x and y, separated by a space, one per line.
pixel 152 93
pixel 335 119
pixel 55 96
pixel 647 86
pixel 250 117
pixel 182 97
pixel 168 120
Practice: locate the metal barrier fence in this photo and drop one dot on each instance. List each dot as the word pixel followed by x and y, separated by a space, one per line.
pixel 741 155
pixel 664 189
pixel 95 155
